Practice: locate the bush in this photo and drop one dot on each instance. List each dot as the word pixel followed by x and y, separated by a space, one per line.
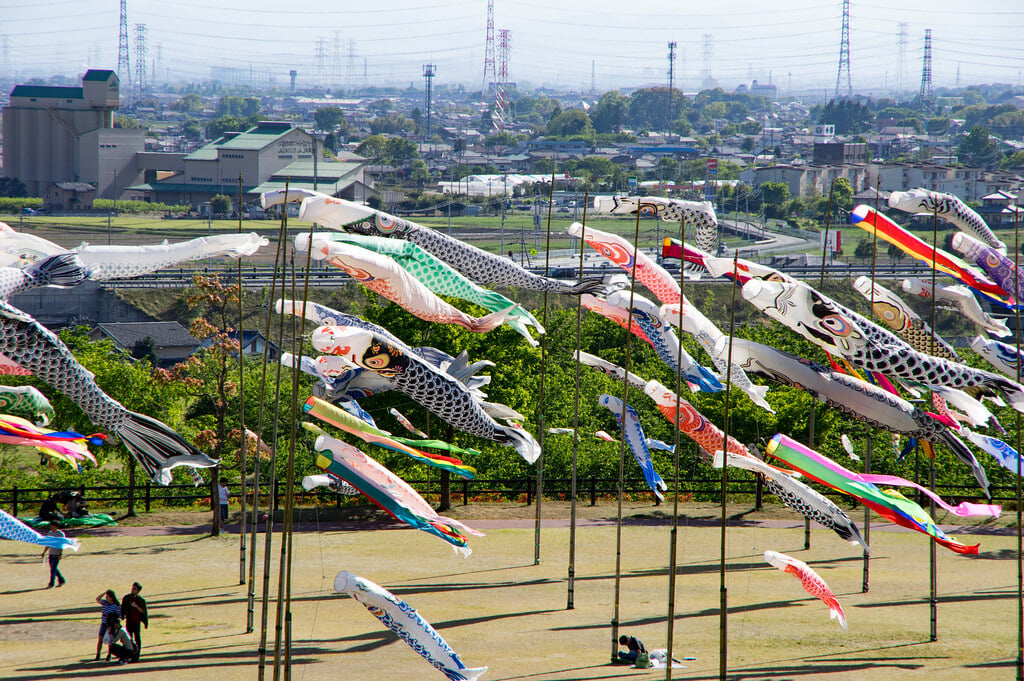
pixel 135 207
pixel 13 205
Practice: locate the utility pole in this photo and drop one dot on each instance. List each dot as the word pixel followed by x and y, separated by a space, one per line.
pixel 671 81
pixel 428 76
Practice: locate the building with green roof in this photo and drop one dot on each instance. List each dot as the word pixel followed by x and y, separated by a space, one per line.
pixel 264 157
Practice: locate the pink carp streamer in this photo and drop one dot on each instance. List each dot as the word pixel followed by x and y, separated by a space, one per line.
pixel 809 579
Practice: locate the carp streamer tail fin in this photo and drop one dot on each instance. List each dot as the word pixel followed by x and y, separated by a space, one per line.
pixel 63 269
pixel 158 448
pixel 524 443
pixel 585 286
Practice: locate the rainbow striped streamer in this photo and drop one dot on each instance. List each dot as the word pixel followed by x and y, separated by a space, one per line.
pixel 889 503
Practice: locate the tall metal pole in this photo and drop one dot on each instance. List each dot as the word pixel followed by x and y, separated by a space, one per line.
pixel 723 617
pixel 622 450
pixel 571 596
pixel 674 536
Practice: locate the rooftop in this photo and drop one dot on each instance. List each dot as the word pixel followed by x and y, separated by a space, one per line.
pixel 164 334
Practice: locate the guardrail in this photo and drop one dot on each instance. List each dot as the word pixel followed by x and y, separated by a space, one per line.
pixel 262 275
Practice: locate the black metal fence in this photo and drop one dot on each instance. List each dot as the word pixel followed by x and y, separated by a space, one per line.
pixel 25 500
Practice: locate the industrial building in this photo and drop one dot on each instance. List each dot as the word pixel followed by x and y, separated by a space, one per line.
pixel 66 134
pixel 264 156
pixel 60 137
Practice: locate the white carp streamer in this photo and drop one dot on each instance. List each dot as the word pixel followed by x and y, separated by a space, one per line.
pixel 407 624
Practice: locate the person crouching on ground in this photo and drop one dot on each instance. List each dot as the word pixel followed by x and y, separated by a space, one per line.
pixel 121 645
pixel 135 614
pixel 635 647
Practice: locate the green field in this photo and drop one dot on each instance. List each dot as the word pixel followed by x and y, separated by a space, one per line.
pixel 497 609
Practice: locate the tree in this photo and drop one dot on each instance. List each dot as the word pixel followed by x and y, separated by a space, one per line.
pixel 848 116
pixel 145 349
pixel 774 194
pixel 609 114
pixel 230 123
pixel 220 204
pixel 13 187
pixel 126 123
pixel 190 103
pixel 208 375
pixel 399 150
pixel 655 108
pixel 329 118
pixel 419 173
pixel 842 194
pixel 247 107
pixel 864 249
pixel 570 123
pixel 977 149
pixel 374 147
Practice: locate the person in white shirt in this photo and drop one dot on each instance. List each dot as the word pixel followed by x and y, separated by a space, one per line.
pixel 223 496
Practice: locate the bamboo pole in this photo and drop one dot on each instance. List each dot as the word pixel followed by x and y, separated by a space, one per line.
pixel 241 401
pixel 541 435
pixel 571 595
pixel 723 617
pixel 674 536
pixel 269 530
pixel 622 450
pixel 933 575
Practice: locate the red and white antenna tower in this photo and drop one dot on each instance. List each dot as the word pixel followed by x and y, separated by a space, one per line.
pixel 489 71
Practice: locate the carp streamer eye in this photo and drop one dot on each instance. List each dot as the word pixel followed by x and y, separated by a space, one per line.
pixel 377 362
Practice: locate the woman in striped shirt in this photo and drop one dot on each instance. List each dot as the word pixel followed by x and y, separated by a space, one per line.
pixel 108 600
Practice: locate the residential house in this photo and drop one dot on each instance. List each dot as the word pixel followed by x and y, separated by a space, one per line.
pixel 172 341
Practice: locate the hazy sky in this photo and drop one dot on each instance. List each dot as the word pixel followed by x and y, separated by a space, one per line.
pixel 794 42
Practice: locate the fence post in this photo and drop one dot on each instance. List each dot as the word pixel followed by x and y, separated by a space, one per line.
pixel 529 492
pixel 593 491
pixel 277 494
pixel 465 492
pixel 14 501
pixel 148 495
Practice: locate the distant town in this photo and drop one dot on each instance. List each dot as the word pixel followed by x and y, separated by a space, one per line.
pixel 426 150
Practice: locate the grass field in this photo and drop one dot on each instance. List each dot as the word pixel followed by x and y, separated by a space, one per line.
pixel 498 609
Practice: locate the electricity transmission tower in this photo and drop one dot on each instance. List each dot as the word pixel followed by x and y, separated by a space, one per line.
pixel 926 68
pixel 902 39
pixel 490 75
pixel 140 58
pixel 124 70
pixel 844 53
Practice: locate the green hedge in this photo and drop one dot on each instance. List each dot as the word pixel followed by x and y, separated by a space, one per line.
pixel 14 205
pixel 137 206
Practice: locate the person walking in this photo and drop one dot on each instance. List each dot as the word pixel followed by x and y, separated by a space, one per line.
pixel 135 614
pixel 55 556
pixel 107 599
pixel 223 496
